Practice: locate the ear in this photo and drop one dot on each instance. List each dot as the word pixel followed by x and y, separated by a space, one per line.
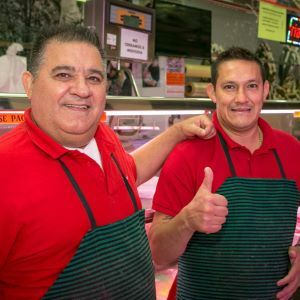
pixel 210 90
pixel 266 89
pixel 27 80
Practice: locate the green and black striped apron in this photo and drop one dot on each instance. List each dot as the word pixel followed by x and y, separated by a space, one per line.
pixel 246 258
pixel 112 261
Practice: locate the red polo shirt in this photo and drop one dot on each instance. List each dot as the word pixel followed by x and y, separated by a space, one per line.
pixel 183 171
pixel 42 220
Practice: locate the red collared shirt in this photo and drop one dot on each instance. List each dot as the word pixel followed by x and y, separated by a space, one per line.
pixel 183 171
pixel 41 218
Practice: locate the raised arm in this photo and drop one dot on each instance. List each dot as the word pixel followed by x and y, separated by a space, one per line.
pixel 150 157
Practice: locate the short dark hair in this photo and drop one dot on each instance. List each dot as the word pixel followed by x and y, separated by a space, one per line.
pixel 61 33
pixel 234 53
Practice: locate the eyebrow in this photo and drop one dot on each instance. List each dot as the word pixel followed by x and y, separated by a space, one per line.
pixel 62 68
pixel 234 82
pixel 72 69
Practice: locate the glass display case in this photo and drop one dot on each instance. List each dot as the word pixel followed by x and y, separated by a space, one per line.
pixel 135 117
pixel 136 120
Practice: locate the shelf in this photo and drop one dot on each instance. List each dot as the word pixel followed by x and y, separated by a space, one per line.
pixel 148 104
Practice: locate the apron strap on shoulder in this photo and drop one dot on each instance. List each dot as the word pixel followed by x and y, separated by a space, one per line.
pixel 279 164
pixel 225 148
pixel 80 194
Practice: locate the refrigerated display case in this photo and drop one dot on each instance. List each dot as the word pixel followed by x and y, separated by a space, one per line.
pixel 136 120
pixel 135 117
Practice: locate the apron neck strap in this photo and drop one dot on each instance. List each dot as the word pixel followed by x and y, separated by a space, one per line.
pixel 128 187
pixel 230 163
pixel 82 197
pixel 226 151
pixel 80 194
pixel 279 163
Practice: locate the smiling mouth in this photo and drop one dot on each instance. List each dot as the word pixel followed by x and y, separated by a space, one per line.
pixel 77 107
pixel 241 109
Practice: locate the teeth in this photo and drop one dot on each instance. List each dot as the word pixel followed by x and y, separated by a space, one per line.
pixel 77 106
pixel 241 109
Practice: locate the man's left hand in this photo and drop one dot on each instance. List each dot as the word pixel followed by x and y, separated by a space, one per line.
pixel 291 282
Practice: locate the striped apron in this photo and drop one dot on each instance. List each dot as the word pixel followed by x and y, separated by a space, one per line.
pixel 246 258
pixel 112 261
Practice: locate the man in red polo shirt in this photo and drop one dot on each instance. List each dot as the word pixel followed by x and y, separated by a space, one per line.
pixel 226 207
pixel 71 224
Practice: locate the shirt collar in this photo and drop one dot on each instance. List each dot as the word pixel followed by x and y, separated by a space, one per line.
pixel 268 135
pixel 54 149
pixel 41 139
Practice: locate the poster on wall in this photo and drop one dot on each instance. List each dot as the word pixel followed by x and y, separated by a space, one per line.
pixel 134 44
pixel 175 78
pixel 271 22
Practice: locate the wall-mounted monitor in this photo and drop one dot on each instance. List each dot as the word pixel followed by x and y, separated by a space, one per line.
pixel 293 30
pixel 182 30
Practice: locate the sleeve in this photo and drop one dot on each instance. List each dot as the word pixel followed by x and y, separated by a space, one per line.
pixel 288 149
pixel 177 182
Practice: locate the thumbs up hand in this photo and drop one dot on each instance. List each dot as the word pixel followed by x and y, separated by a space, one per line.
pixel 207 211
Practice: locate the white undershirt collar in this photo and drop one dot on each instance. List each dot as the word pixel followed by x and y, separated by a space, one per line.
pixel 91 150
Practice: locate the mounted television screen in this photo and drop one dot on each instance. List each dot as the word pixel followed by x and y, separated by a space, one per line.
pixel 293 30
pixel 182 30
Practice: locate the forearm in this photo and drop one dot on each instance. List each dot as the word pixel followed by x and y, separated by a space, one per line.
pixel 150 157
pixel 168 238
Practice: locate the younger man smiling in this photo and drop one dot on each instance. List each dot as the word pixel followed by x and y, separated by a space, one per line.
pixel 226 207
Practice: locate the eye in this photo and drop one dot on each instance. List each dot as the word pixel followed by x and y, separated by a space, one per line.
pixel 252 85
pixel 95 79
pixel 229 87
pixel 62 76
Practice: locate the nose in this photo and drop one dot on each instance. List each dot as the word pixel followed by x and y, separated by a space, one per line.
pixel 80 87
pixel 241 95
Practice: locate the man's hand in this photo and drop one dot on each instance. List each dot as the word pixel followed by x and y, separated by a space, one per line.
pixel 207 211
pixel 200 126
pixel 292 280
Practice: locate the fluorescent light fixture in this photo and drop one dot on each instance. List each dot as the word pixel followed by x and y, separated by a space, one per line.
pixel 153 112
pixel 279 111
pixel 184 112
pixel 167 112
pixel 8 112
pixel 121 127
